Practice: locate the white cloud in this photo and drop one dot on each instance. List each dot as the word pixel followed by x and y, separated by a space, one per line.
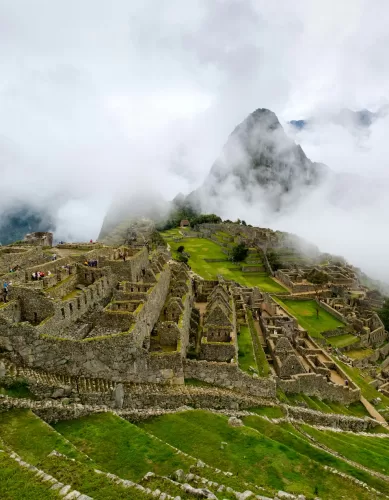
pixel 97 96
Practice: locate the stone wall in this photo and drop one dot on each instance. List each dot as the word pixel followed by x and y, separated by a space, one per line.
pixel 119 357
pixel 24 259
pixel 344 422
pixel 334 312
pixel 230 376
pixel 313 384
pixel 67 312
pixel 11 311
pixel 217 351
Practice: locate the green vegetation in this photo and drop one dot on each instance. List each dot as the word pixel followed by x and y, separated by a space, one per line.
pixel 356 409
pixel 362 382
pixel 31 438
pixel 16 388
pixel 239 252
pixel 260 356
pixel 384 314
pixel 120 447
pixel 305 313
pixel 83 478
pixel 342 340
pixel 269 411
pixel 289 436
pixel 72 295
pixel 201 248
pixel 246 355
pixel 370 452
pixel 19 483
pixel 360 353
pixel 281 463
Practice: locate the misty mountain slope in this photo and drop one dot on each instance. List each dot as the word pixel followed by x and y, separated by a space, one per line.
pixel 259 154
pixel 125 209
pixel 14 224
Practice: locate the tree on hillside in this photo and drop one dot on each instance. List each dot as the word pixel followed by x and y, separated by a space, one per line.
pixel 319 280
pixel 239 252
pixel 274 260
pixel 384 314
pixel 180 249
pixel 244 223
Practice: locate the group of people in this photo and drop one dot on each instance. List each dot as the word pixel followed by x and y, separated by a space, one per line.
pixel 38 275
pixel 91 263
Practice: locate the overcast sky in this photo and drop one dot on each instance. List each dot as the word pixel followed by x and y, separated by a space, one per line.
pixel 99 96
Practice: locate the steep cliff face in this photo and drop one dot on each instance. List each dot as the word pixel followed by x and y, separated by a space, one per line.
pixel 259 154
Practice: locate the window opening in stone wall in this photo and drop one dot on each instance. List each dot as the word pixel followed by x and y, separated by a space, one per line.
pixel 71 308
pixel 78 303
pixel 35 317
pixel 63 312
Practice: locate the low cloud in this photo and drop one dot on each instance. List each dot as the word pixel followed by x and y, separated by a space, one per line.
pixel 97 100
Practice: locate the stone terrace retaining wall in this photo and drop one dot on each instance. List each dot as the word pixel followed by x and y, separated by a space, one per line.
pixel 344 422
pixel 334 312
pixel 228 375
pixel 313 384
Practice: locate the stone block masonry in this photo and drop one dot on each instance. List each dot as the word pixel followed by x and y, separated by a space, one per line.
pixel 230 376
pixel 119 357
pixel 313 384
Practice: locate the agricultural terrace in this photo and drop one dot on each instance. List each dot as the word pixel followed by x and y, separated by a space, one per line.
pixel 305 313
pixel 200 249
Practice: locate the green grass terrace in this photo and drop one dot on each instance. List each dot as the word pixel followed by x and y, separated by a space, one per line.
pixel 200 249
pixel 305 313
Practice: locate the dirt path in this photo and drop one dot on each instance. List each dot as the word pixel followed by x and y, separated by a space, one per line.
pixel 373 412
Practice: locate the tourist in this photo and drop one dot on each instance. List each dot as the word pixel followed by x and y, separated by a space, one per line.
pixel 5 291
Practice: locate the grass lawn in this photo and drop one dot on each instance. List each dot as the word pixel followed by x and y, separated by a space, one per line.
pixel 201 248
pixel 371 452
pixel 305 313
pixel 255 457
pixel 246 354
pixel 120 447
pixel 342 340
pixel 359 353
pixel 19 483
pixel 31 438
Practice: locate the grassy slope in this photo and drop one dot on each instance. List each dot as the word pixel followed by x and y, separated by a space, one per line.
pixel 246 354
pixel 201 248
pixel 82 478
pixel 120 447
pixel 31 438
pixel 305 313
pixel 262 363
pixel 289 436
pixel 18 483
pixel 368 451
pixel 255 457
pixel 367 390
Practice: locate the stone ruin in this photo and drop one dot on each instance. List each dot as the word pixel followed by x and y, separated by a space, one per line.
pixel 144 319
pixel 39 238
